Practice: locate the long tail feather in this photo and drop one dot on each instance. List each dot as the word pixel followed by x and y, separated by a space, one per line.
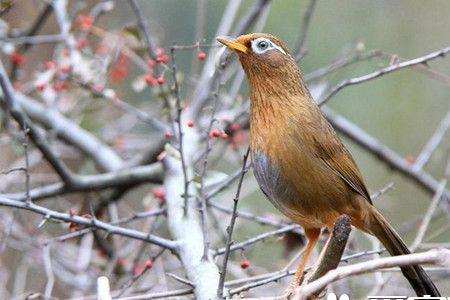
pixel 415 274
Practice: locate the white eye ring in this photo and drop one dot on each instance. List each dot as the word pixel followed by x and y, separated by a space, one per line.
pixel 262 45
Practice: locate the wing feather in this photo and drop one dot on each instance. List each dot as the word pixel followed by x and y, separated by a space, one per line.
pixel 334 155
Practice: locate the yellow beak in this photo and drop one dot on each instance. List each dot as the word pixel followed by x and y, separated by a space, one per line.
pixel 232 44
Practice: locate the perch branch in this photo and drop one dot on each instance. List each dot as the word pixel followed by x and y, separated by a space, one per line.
pixel 440 257
pixel 332 252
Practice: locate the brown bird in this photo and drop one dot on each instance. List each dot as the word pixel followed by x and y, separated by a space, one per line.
pixel 298 160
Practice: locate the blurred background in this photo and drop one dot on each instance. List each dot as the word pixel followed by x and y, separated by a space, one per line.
pixel 401 110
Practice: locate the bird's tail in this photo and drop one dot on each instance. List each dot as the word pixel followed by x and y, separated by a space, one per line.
pixel 415 274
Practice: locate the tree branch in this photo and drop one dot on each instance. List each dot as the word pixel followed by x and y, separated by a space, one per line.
pixel 83 183
pixel 33 133
pixel 332 252
pixel 111 229
pixel 68 131
pixel 406 64
pixel 440 257
pixel 186 228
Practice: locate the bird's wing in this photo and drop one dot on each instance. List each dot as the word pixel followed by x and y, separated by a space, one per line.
pixel 330 150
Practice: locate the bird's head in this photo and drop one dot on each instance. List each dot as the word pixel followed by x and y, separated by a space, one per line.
pixel 265 59
pixel 261 51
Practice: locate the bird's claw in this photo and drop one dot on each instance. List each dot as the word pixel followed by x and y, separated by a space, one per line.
pixel 287 293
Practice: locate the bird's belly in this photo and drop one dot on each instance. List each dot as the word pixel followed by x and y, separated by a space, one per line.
pixel 283 195
pixel 312 201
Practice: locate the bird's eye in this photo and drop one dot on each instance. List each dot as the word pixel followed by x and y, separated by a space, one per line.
pixel 263 45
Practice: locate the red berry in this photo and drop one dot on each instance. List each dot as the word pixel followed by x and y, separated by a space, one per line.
pixel 64 85
pixel 120 143
pixel 17 85
pixel 98 88
pixel 162 59
pixel 201 55
pixel 159 51
pixel 151 63
pixel 215 133
pixel 85 22
pixel 137 270
pixel 160 80
pixel 50 65
pixel 224 136
pixel 81 44
pixel 65 69
pixel 168 134
pixel 410 159
pixel 71 212
pixel 121 262
pixel 149 264
pixel 150 80
pixel 245 264
pixel 74 227
pixel 60 86
pixel 158 193
pixel 190 123
pixel 41 86
pixel 235 127
pixel 17 58
pixel 66 53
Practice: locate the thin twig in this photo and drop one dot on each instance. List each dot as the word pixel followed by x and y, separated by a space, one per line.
pixel 256 239
pixel 48 272
pixel 179 109
pixel 137 10
pixel 432 143
pixel 202 198
pixel 430 211
pixel 299 50
pixel 231 227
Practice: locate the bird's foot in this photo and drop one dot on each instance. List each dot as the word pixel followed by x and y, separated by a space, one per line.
pixel 288 292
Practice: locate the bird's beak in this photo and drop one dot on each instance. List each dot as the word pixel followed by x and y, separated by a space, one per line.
pixel 232 43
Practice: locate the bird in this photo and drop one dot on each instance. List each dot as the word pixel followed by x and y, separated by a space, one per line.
pixel 299 161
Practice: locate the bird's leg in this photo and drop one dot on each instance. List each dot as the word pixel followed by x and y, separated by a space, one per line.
pixel 313 236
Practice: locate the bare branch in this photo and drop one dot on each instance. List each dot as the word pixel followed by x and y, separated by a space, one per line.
pixel 67 130
pixel 81 183
pixel 111 229
pixel 186 228
pixel 395 67
pixel 332 251
pixel 440 257
pixel 35 135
